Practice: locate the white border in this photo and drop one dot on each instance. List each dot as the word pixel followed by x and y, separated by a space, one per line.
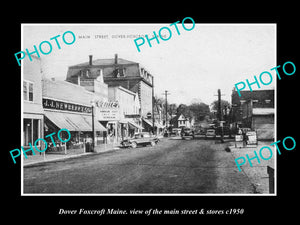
pixel 149 194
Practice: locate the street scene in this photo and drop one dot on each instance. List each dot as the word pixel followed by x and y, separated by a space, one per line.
pixel 172 166
pixel 151 122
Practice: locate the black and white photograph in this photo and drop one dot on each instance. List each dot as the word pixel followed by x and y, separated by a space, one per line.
pixel 153 115
pixel 152 109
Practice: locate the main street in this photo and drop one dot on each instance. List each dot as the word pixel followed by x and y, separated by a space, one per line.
pixel 173 166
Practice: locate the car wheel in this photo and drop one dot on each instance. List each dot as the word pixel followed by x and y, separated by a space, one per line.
pixel 134 144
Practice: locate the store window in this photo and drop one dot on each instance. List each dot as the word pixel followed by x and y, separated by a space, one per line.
pixel 31 131
pixel 28 91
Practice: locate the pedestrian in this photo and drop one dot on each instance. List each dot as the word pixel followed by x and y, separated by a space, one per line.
pixel 244 138
pixel 105 137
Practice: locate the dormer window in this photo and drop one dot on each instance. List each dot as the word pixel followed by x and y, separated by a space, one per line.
pixel 100 75
pixel 116 72
pixel 122 72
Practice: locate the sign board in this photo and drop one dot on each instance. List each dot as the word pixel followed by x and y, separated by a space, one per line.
pixel 66 106
pixel 108 114
pixel 107 111
pixel 238 137
pixel 251 138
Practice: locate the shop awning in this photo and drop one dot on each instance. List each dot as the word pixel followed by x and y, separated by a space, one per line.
pixel 148 122
pixel 73 122
pixel 263 111
pixel 156 124
pixel 135 125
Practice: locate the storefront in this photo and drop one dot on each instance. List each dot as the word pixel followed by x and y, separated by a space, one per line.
pixel 109 115
pixel 77 118
pixel 32 110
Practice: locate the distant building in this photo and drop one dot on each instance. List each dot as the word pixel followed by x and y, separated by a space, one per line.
pixel 180 121
pixel 254 110
pixel 116 72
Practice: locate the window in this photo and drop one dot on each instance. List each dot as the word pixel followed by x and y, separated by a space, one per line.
pixel 28 91
pixel 25 90
pixel 31 131
pixel 122 72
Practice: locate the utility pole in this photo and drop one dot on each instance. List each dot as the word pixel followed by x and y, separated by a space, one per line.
pixel 153 105
pixel 166 97
pixel 220 114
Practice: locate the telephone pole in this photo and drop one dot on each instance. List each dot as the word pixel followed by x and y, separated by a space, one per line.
pixel 153 105
pixel 166 97
pixel 220 115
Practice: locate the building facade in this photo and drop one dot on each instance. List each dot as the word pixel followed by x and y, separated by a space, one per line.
pixel 117 72
pixel 33 113
pixel 255 110
pixel 70 106
pixel 130 110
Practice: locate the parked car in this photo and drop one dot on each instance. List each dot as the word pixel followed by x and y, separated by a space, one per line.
pixel 210 133
pixel 140 139
pixel 187 132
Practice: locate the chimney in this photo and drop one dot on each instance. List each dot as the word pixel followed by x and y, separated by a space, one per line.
pixel 116 58
pixel 91 60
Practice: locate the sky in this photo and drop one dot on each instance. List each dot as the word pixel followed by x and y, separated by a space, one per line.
pixel 192 66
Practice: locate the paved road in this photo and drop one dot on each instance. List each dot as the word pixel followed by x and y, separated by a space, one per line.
pixel 173 166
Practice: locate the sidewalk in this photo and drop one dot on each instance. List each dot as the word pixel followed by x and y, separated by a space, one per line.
pixel 257 174
pixel 50 157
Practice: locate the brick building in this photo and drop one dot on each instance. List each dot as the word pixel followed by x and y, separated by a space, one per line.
pixel 116 72
pixel 254 110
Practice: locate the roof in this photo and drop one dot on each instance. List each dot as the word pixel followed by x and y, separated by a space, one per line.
pixel 263 111
pixel 105 62
pixel 178 117
pixel 260 95
pixel 66 91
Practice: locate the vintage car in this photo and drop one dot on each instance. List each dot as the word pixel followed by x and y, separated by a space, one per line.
pixel 140 139
pixel 187 132
pixel 210 133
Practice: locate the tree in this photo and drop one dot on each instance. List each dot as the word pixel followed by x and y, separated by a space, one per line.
pixel 200 110
pixel 224 104
pixel 172 109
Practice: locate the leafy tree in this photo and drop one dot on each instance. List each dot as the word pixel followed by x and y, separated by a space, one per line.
pixel 224 104
pixel 200 110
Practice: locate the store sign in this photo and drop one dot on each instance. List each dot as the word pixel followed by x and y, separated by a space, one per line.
pixel 110 104
pixel 59 105
pixel 252 138
pixel 108 111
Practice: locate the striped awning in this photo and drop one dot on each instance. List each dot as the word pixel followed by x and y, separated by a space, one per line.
pixel 73 122
pixel 135 125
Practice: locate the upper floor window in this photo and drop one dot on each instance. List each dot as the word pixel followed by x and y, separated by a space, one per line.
pixel 28 91
pixel 120 72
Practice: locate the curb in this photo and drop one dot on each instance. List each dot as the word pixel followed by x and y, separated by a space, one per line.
pixel 38 163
